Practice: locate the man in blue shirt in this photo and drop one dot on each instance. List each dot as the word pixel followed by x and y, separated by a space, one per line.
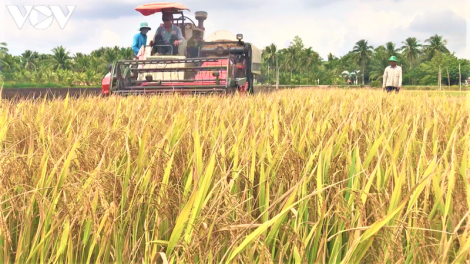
pixel 169 35
pixel 140 39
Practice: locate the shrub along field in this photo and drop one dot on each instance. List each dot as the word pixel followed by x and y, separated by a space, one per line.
pixel 298 176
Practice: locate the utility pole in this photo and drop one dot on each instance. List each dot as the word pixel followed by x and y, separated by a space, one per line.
pixel 268 73
pixel 460 79
pixel 439 79
pixel 277 78
pixel 448 77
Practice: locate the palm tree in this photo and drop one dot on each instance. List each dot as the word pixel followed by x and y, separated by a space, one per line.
pixel 99 52
pixel 90 76
pixel 62 75
pixel 436 45
pixel 50 75
pixel 312 59
pixel 29 60
pixel 270 55
pixel 331 56
pixel 60 58
pixel 301 60
pixel 411 50
pixel 82 62
pixel 291 59
pixel 97 64
pixel 38 77
pixel 3 52
pixel 10 63
pixel 378 63
pixel 3 48
pixel 362 53
pixel 111 55
pixel 126 53
pixel 391 50
pixel 330 63
pixel 44 57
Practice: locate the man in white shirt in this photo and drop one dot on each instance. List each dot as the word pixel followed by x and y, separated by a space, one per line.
pixel 392 76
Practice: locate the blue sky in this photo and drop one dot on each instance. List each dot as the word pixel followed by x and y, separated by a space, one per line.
pixel 325 25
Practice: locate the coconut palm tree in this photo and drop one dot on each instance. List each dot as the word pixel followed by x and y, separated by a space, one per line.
pixel 50 76
pixel 29 60
pixel 97 64
pixel 379 62
pixel 90 76
pixel 283 65
pixel 362 54
pixel 436 45
pixel 3 52
pixel 82 62
pixel 291 59
pixel 331 56
pixel 411 49
pixel 3 48
pixel 270 56
pixel 126 53
pixel 10 63
pixel 391 49
pixel 316 63
pixel 60 58
pixel 38 77
pixel 99 52
pixel 330 63
pixel 111 55
pixel 312 59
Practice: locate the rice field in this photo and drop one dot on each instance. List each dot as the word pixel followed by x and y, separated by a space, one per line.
pixel 440 93
pixel 296 176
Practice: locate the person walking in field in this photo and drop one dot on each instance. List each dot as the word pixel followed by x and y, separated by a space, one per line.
pixel 392 76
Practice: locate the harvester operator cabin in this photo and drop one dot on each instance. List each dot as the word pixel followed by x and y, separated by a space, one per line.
pixel 219 131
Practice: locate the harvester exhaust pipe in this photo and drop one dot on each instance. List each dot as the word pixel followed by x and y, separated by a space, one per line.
pixel 201 16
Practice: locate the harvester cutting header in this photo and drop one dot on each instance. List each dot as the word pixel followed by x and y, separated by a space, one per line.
pixel 190 63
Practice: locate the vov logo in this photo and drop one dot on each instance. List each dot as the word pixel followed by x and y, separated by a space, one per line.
pixel 40 17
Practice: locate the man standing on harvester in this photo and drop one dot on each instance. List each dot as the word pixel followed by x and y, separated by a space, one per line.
pixel 167 35
pixel 140 39
pixel 392 76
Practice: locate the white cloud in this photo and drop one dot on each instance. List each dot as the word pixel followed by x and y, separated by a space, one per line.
pixel 327 26
pixel 110 38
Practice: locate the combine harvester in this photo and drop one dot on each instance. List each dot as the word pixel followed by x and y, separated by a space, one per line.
pixel 221 63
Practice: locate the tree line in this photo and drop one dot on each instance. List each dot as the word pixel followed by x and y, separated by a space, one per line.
pixel 59 67
pixel 364 63
pixel 295 65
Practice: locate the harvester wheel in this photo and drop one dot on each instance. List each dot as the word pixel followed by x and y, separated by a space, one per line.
pixel 249 74
pixel 242 90
pixel 250 88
